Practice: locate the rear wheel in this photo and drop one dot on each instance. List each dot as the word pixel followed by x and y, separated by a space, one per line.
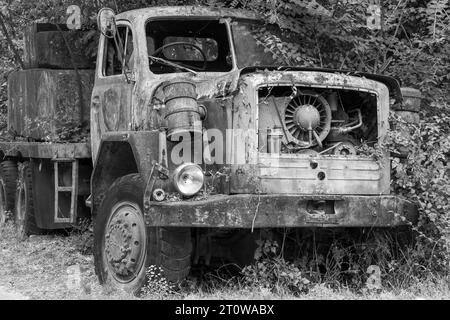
pixel 24 209
pixel 8 181
pixel 124 247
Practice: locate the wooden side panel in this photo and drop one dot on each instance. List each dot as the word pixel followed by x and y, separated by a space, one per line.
pixel 45 150
pixel 29 49
pixel 43 103
pixel 44 47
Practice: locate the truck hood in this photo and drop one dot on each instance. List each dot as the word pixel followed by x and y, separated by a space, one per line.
pixel 216 86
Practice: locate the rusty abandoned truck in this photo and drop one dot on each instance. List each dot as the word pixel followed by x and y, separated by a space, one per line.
pixel 279 146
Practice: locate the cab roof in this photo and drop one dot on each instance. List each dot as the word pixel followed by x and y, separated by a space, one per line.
pixel 187 11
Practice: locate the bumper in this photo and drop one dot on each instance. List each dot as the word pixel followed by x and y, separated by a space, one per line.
pixel 274 211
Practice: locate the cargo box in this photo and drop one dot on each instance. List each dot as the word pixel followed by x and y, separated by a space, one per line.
pixel 44 47
pixel 44 104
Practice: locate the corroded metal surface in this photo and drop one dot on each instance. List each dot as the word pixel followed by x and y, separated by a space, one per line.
pixel 354 175
pixel 182 112
pixel 111 106
pixel 45 47
pixel 302 174
pixel 186 11
pixel 264 211
pixel 46 150
pixel 44 102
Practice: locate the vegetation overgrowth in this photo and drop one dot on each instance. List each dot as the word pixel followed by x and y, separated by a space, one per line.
pixel 413 45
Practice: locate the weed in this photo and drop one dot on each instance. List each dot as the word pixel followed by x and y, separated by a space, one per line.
pixel 157 286
pixel 82 236
pixel 273 272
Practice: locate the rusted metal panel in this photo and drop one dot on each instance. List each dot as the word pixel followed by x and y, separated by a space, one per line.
pixel 148 111
pixel 122 153
pixel 44 193
pixel 392 83
pixel 112 99
pixel 218 121
pixel 45 47
pixel 300 174
pixel 267 211
pixel 144 145
pixel 186 11
pixel 181 109
pixel 46 150
pixel 44 102
pixel 110 109
pixel 246 177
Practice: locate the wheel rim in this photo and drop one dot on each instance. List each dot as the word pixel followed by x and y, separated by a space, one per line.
pixel 21 209
pixel 2 203
pixel 125 242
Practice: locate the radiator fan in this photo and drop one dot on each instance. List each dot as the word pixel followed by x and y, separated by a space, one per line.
pixel 307 119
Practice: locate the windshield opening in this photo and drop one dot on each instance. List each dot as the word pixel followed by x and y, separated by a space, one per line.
pixel 199 45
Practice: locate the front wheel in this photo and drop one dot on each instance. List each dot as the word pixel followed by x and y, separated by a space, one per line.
pixel 124 247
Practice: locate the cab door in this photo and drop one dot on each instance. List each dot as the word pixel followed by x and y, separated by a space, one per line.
pixel 112 94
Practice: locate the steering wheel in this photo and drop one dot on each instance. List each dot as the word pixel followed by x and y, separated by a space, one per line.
pixel 205 61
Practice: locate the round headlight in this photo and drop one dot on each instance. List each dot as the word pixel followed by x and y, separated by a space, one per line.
pixel 188 179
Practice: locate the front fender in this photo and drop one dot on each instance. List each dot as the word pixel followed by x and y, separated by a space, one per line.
pixel 122 153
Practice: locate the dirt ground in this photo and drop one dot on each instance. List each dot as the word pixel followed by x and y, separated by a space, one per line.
pixel 52 267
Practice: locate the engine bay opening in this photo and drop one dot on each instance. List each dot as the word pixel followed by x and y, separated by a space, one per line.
pixel 316 120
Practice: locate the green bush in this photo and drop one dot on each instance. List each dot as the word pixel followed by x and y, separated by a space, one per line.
pixel 423 177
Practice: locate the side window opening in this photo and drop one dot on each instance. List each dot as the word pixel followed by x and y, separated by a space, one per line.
pixel 113 63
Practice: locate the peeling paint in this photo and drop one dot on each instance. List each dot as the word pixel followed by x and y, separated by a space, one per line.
pixel 239 211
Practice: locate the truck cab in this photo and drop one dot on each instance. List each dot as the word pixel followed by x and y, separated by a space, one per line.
pixel 218 136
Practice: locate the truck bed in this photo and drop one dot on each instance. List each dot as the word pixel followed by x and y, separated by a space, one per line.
pixel 44 103
pixel 43 150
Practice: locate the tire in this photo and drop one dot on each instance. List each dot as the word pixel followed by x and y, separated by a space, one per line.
pixel 173 252
pixel 123 261
pixel 8 182
pixel 24 210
